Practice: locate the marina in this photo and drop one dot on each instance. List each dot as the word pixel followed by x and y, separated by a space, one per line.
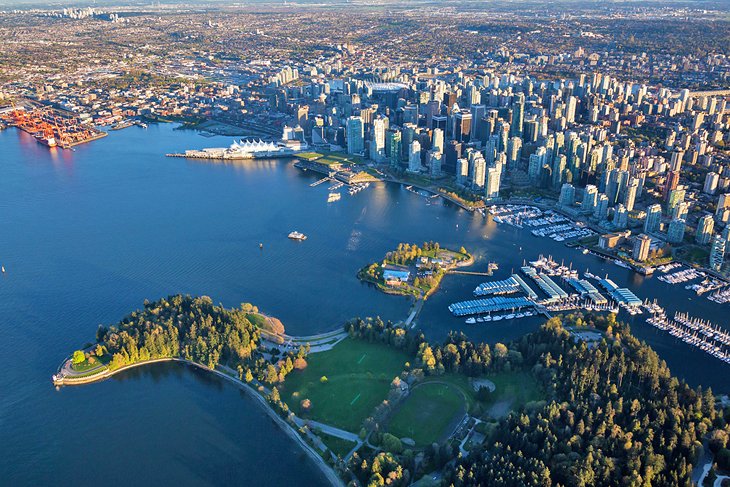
pixel 684 275
pixel 544 223
pixel 548 275
pixel 697 332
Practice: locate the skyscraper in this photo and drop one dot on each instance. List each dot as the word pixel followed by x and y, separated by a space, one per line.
pixel 631 191
pixel 393 144
pixel 705 226
pixel 620 217
pixel 377 144
pixel 437 140
pixel 675 232
pixel 722 212
pixel 567 195
pixel 462 126
pixel 434 159
pixel 590 197
pixel 480 170
pixel 717 252
pixel 492 184
pixel 355 135
pixel 642 244
pixel 711 181
pixel 462 170
pixel 653 218
pixel 414 157
pixel 601 211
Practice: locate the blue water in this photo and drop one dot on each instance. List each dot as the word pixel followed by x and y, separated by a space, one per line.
pixel 87 235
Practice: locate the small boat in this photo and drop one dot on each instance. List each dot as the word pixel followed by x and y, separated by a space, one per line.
pixel 297 236
pixel 3 269
pixel 470 321
pixel 261 246
pixel 497 318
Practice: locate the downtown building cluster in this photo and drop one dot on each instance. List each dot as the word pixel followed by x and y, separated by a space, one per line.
pixel 624 156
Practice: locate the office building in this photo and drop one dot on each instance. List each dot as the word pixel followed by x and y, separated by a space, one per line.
pixel 355 135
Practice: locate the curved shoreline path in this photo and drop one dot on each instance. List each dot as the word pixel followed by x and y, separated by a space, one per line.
pixel 104 373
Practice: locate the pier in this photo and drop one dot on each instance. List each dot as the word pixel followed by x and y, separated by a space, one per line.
pixel 320 181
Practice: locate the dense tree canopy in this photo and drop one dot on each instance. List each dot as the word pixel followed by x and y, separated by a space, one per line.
pixel 613 415
pixel 616 416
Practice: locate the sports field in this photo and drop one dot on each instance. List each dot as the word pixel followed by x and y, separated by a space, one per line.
pixel 358 379
pixel 427 414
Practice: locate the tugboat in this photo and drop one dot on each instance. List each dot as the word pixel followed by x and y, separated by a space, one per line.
pixel 297 236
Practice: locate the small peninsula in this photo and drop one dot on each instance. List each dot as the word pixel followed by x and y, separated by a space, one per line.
pixel 415 271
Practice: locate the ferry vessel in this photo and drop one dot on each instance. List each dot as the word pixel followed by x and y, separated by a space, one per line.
pixel 297 236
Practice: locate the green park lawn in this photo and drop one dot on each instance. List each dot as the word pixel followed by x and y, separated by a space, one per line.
pixel 338 446
pixel 427 413
pixel 358 379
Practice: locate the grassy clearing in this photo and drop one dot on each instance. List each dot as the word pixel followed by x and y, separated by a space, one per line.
pixel 513 389
pixel 358 379
pixel 338 446
pixel 427 413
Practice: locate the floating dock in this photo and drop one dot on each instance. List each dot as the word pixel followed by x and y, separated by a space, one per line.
pixel 506 286
pixel 489 305
pixel 554 292
pixel 587 290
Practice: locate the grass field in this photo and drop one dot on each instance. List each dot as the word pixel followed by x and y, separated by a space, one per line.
pixel 337 445
pixel 358 379
pixel 427 413
pixel 513 389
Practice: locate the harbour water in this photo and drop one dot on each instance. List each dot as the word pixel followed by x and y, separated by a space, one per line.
pixel 87 235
